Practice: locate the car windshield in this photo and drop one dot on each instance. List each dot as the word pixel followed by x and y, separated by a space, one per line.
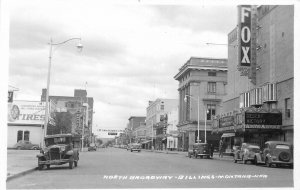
pixel 57 140
pixel 282 146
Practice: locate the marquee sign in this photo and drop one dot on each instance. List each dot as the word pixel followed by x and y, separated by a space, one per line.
pixel 244 35
pixel 263 118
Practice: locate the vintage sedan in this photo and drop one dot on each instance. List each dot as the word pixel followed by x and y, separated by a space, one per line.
pixel 200 149
pixel 246 153
pixel 26 145
pixel 92 147
pixel 135 147
pixel 60 149
pixel 275 153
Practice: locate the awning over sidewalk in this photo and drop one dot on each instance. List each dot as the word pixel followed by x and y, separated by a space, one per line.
pixel 228 135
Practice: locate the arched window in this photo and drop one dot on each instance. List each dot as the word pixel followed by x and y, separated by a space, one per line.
pixel 26 135
pixel 19 135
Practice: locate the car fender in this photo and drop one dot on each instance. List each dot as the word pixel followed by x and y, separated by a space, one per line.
pixel 259 158
pixel 70 153
pixel 40 155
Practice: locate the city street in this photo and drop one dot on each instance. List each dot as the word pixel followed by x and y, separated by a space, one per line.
pixel 118 168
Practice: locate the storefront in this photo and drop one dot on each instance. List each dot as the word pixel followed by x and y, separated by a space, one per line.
pixel 249 125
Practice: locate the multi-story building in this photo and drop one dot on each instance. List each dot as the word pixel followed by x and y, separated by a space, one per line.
pixel 81 107
pixel 155 111
pixel 202 85
pixel 134 122
pixel 259 102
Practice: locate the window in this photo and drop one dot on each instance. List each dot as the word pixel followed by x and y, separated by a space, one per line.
pixel 211 87
pixel 19 136
pixel 26 135
pixel 213 74
pixel 287 108
pixel 162 107
pixel 211 111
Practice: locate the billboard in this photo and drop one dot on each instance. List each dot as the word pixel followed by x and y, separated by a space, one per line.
pixel 26 112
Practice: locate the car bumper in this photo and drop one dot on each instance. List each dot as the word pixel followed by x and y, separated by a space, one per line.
pixel 55 162
pixel 281 162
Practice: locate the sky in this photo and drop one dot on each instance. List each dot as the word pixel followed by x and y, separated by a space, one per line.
pixel 132 51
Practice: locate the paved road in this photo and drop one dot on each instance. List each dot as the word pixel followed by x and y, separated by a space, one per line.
pixel 118 168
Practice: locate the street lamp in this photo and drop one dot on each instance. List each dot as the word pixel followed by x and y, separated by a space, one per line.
pixel 198 101
pixel 79 46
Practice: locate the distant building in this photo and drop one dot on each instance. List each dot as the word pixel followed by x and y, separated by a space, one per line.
pixel 156 110
pixel 206 79
pixel 134 122
pixel 80 106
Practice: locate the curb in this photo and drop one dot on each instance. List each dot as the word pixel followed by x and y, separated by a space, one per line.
pixel 20 174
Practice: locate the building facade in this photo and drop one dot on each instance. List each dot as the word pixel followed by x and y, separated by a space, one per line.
pixel 259 103
pixel 157 110
pixel 81 108
pixel 134 122
pixel 202 82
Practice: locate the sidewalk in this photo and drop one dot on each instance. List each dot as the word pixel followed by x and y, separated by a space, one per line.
pixel 20 162
pixel 215 156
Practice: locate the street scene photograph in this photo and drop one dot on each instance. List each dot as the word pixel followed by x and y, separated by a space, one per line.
pixel 149 94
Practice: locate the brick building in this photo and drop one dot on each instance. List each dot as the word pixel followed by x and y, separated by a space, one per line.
pixel 259 103
pixel 81 108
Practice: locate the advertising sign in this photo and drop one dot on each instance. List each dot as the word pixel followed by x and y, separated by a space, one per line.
pixel 263 118
pixel 244 35
pixel 226 121
pixel 26 112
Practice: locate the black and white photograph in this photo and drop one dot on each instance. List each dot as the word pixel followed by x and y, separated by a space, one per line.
pixel 140 94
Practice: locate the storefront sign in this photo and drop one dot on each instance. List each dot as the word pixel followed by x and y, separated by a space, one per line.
pixel 244 35
pixel 26 112
pixel 226 121
pixel 263 118
pixel 263 126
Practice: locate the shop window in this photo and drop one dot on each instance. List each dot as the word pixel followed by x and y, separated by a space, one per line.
pixel 287 108
pixel 19 136
pixel 211 87
pixel 162 107
pixel 211 111
pixel 26 135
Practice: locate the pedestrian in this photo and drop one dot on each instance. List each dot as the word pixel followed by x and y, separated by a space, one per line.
pixel 212 147
pixel 221 145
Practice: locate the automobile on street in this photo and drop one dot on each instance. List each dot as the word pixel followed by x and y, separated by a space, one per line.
pixel 246 153
pixel 201 150
pixel 26 145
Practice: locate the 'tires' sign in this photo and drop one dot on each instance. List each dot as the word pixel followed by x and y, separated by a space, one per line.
pixel 245 35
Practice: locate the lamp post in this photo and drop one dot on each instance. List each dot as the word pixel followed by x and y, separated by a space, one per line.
pixel 198 101
pixel 51 44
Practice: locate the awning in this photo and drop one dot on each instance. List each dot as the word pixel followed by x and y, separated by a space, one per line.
pixel 228 135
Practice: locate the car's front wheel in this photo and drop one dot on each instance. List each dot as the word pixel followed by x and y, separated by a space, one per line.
pixel 71 165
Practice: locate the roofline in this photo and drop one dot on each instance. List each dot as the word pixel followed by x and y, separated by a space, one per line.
pixel 187 67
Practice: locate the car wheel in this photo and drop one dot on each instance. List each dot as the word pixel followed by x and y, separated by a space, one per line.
pixel 48 166
pixel 268 163
pixel 71 165
pixel 255 161
pixel 40 166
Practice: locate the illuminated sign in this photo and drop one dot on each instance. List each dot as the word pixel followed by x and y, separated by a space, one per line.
pixel 244 35
pixel 263 118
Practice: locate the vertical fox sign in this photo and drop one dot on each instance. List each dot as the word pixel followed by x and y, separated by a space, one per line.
pixel 244 35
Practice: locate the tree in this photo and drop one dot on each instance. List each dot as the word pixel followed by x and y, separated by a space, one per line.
pixel 63 123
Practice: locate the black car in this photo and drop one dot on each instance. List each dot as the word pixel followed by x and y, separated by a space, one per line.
pixel 201 150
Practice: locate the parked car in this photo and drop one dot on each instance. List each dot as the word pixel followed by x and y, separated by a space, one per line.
pixel 135 147
pixel 200 149
pixel 128 147
pixel 92 147
pixel 275 153
pixel 60 149
pixel 245 153
pixel 26 145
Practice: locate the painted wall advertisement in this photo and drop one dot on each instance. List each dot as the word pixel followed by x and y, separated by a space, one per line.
pixel 26 112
